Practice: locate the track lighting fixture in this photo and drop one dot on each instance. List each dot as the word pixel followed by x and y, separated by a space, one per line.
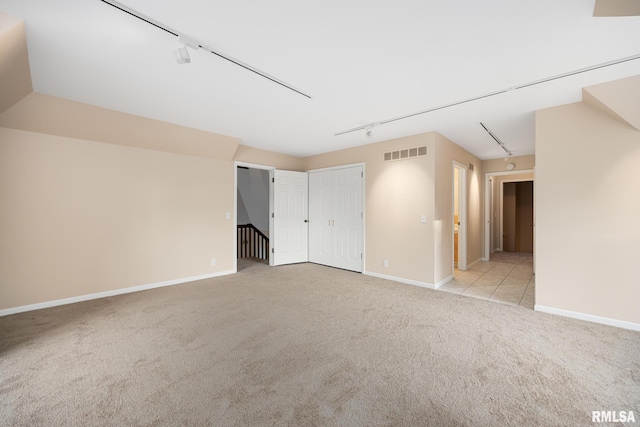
pixel 369 129
pixel 495 138
pixel 182 54
pixel 499 92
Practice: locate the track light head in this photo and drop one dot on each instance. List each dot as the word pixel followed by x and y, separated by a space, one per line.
pixel 369 129
pixel 182 56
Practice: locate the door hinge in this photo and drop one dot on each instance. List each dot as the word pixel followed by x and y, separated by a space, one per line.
pixel 273 215
pixel 361 174
pixel 361 256
pixel 273 250
pixel 272 180
pixel 361 214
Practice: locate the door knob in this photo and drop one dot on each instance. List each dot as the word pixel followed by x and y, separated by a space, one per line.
pixel 306 220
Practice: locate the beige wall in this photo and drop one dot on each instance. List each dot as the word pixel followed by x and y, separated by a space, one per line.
pixel 95 200
pixel 57 116
pixel 446 153
pixel 397 193
pixel 15 76
pixel 81 217
pixel 586 199
pixel 500 165
pixel 268 158
pixel 618 98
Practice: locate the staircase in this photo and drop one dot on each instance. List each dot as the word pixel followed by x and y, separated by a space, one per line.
pixel 252 243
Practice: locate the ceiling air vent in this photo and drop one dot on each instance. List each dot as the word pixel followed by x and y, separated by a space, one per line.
pixel 405 153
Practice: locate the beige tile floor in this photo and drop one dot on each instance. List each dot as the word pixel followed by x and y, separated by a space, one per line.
pixel 507 278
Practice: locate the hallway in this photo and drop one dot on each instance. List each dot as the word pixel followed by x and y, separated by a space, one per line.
pixel 508 279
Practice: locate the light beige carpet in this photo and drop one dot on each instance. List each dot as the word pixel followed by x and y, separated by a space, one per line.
pixel 309 345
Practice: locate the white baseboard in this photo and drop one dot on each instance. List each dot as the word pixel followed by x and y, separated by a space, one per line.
pixel 588 317
pixel 474 263
pixel 402 280
pixel 442 282
pixel 105 294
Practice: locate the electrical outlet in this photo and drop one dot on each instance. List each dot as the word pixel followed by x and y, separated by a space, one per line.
pixel 423 218
pixel 213 261
pixel 385 263
pixel 228 215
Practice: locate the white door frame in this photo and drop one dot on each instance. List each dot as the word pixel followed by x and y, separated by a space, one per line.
pixel 462 215
pixel 501 204
pixel 487 207
pixel 235 207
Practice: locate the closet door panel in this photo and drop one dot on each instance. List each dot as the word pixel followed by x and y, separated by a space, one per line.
pixel 347 229
pixel 320 211
pixel 335 218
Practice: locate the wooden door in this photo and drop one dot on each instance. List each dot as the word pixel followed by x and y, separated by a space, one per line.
pixel 524 216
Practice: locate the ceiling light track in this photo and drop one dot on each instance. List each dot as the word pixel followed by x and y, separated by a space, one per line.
pixel 498 92
pixel 171 31
pixel 500 143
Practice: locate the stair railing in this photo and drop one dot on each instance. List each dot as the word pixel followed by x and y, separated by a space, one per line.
pixel 252 243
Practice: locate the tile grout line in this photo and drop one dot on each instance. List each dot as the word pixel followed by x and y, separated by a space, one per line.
pixel 525 291
pixel 499 284
pixel 514 266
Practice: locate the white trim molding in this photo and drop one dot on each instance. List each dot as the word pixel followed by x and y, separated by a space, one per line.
pixel 474 263
pixel 409 281
pixel 589 317
pixel 98 295
pixel 350 165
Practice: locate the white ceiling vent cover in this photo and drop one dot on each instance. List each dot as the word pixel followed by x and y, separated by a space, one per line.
pixel 405 153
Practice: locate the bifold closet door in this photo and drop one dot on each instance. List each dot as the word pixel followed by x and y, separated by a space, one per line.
pixel 320 205
pixel 336 218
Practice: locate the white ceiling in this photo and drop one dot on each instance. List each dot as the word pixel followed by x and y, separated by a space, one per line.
pixel 362 61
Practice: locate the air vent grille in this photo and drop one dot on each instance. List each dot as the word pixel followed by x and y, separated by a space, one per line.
pixel 405 153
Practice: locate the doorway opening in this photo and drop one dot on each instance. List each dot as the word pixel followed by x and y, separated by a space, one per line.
pixel 517 217
pixel 494 214
pixel 252 220
pixel 459 229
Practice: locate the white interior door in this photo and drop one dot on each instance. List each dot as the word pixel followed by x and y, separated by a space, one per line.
pixel 320 216
pixel 336 218
pixel 290 221
pixel 347 214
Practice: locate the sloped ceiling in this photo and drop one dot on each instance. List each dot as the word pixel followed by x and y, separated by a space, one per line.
pixel 620 98
pixel 362 62
pixel 617 8
pixel 15 77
